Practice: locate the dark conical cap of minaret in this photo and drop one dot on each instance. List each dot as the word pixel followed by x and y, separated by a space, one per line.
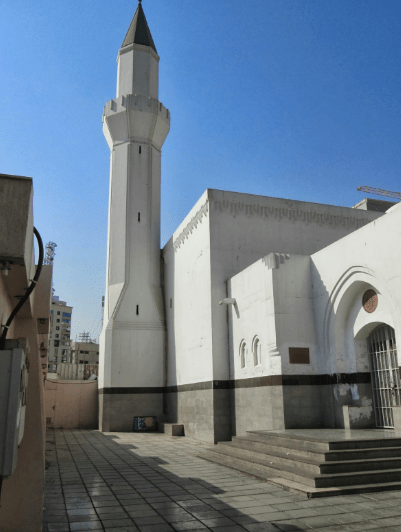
pixel 139 32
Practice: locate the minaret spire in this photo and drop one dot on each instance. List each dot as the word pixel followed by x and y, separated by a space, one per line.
pixel 139 32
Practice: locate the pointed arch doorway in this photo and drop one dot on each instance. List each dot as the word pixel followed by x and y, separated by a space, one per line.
pixel 386 384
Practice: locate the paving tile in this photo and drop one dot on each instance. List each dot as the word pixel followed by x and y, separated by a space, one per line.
pixel 244 519
pixel 189 525
pixel 177 518
pixel 116 522
pixel 362 526
pixel 156 520
pixel 83 518
pixel 131 528
pixel 374 514
pixel 390 512
pixel 94 525
pixel 291 525
pixel 381 503
pixel 261 527
pixel 320 521
pixel 162 498
pixel 212 514
pixel 55 519
pixel 301 513
pixel 156 528
pixel 54 512
pixel 335 528
pixel 111 509
pixel 164 505
pixel 388 521
pixel 231 528
pixel 81 511
pixel 142 513
pixel 350 518
pixel 219 521
pixel 78 505
pixel 58 527
pixel 352 507
pixel 194 504
pixel 104 504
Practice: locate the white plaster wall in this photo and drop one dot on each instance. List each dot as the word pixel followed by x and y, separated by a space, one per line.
pixel 341 273
pixel 187 284
pixel 293 306
pixel 246 227
pixel 144 78
pixel 275 304
pixel 243 228
pixel 252 316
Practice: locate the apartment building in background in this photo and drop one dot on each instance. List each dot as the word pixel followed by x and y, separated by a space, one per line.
pixel 60 334
pixel 85 352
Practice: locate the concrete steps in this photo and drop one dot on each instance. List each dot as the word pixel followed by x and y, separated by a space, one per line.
pixel 312 466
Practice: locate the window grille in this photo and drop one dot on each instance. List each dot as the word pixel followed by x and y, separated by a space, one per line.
pixel 385 374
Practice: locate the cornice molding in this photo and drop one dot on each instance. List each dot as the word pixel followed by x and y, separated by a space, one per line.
pixel 192 225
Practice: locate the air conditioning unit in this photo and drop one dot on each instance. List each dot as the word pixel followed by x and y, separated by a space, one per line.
pixel 13 390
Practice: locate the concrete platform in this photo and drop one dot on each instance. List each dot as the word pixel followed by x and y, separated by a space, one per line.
pixel 317 462
pixel 332 435
pixel 172 429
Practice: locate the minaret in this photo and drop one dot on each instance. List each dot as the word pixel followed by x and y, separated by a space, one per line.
pixel 132 343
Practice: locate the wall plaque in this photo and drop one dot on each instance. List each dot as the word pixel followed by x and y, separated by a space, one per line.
pixel 299 355
pixel 369 301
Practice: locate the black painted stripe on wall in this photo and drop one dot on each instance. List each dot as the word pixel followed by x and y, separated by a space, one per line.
pixel 255 382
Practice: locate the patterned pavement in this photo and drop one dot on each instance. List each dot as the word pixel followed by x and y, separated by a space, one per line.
pixel 126 482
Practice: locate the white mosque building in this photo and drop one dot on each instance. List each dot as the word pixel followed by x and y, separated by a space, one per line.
pixel 259 313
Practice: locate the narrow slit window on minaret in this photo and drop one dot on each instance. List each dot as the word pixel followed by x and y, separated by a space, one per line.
pixel 139 216
pixel 137 310
pixel 140 149
pixel 171 302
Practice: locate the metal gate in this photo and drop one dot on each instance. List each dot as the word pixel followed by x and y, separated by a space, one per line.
pixel 385 374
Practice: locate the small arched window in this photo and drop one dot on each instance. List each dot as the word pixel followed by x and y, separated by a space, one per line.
pixel 242 352
pixel 256 349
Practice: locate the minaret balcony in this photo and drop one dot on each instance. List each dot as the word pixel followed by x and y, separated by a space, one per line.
pixel 148 119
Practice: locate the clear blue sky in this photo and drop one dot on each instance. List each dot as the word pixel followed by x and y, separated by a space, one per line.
pixel 289 98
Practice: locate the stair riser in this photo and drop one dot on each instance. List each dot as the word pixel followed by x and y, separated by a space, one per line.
pixel 265 471
pixel 258 458
pixel 287 443
pixel 327 469
pixel 332 456
pixel 338 490
pixel 354 480
pixel 363 455
pixel 335 492
pixel 273 450
pixel 365 444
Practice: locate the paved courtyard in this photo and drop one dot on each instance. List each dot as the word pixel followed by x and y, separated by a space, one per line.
pixel 125 482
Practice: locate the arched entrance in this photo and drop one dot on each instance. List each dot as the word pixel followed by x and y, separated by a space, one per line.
pixel 386 384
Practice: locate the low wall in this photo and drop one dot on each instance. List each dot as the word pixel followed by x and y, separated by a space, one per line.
pixel 71 404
